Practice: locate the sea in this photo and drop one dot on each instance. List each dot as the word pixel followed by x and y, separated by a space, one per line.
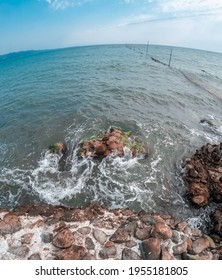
pixel 66 95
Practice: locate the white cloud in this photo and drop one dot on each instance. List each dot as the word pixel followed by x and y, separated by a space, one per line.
pixel 63 4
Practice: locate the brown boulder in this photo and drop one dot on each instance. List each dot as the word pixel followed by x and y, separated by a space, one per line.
pixel 150 249
pixel 73 253
pixel 199 194
pixel 10 224
pixel 63 239
pixel 162 231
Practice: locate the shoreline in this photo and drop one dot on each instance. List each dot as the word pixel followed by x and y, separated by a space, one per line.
pixel 46 232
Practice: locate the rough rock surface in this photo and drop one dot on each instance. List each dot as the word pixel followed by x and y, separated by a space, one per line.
pixel 49 233
pixel 114 141
pixel 203 173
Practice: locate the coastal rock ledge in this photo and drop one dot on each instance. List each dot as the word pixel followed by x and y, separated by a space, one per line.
pixel 46 232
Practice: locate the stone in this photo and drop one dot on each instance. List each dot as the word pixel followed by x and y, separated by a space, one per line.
pixel 26 238
pixel 73 253
pixel 84 230
pixel 46 237
pixel 199 194
pixel 165 255
pixel 180 248
pixel 200 245
pixel 216 217
pixel 41 210
pixel 175 236
pixel 120 236
pixel 161 230
pixel 99 235
pixel 63 239
pixel 181 226
pixel 107 253
pixel 128 254
pixel 20 251
pixel 150 249
pixel 9 224
pixel 89 244
pixel 143 233
pixel 35 256
pixel 131 243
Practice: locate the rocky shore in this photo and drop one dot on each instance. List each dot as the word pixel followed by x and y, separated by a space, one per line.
pixel 56 233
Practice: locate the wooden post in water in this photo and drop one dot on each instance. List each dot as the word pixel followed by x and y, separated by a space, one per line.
pixel 147 48
pixel 170 57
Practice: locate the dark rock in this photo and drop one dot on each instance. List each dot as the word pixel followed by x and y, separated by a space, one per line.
pixel 46 237
pixel 89 244
pixel 128 254
pixel 63 239
pixel 199 194
pixel 131 243
pixel 150 249
pixel 41 210
pixel 217 221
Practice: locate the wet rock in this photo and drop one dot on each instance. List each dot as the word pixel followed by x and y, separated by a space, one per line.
pixel 9 224
pixel 150 249
pixel 120 236
pixel 73 253
pixel 199 194
pixel 199 245
pixel 113 141
pixel 128 254
pixel 63 239
pixel 162 231
pixel 74 215
pixel 100 236
pixel 107 253
pixel 41 210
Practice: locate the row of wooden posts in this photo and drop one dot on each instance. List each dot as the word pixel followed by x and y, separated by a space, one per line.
pixel 147 54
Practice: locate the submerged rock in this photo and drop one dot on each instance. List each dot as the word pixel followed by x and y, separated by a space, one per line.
pixel 60 148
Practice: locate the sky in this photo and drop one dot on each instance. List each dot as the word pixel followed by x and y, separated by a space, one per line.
pixel 50 24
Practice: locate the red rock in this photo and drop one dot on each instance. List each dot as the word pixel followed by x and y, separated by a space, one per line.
pixel 162 231
pixel 150 249
pixel 73 253
pixel 10 224
pixel 63 239
pixel 199 194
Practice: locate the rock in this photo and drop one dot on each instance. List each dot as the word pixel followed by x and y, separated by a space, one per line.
pixel 9 224
pixel 100 236
pixel 89 244
pixel 143 233
pixel 63 239
pixel 73 253
pixel 128 254
pixel 181 226
pixel 175 236
pixel 199 245
pixel 162 231
pixel 35 256
pixel 107 253
pixel 84 230
pixel 41 210
pixel 46 237
pixel 120 236
pixel 113 141
pixel 217 221
pixel 180 248
pixel 211 242
pixel 165 255
pixel 26 238
pixel 20 251
pixel 199 194
pixel 150 249
pixel 131 244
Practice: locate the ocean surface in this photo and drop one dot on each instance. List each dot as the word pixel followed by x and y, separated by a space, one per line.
pixel 67 95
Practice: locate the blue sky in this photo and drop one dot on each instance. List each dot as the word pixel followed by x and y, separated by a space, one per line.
pixel 48 24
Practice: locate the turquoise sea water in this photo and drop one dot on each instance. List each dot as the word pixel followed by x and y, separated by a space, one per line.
pixel 70 94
